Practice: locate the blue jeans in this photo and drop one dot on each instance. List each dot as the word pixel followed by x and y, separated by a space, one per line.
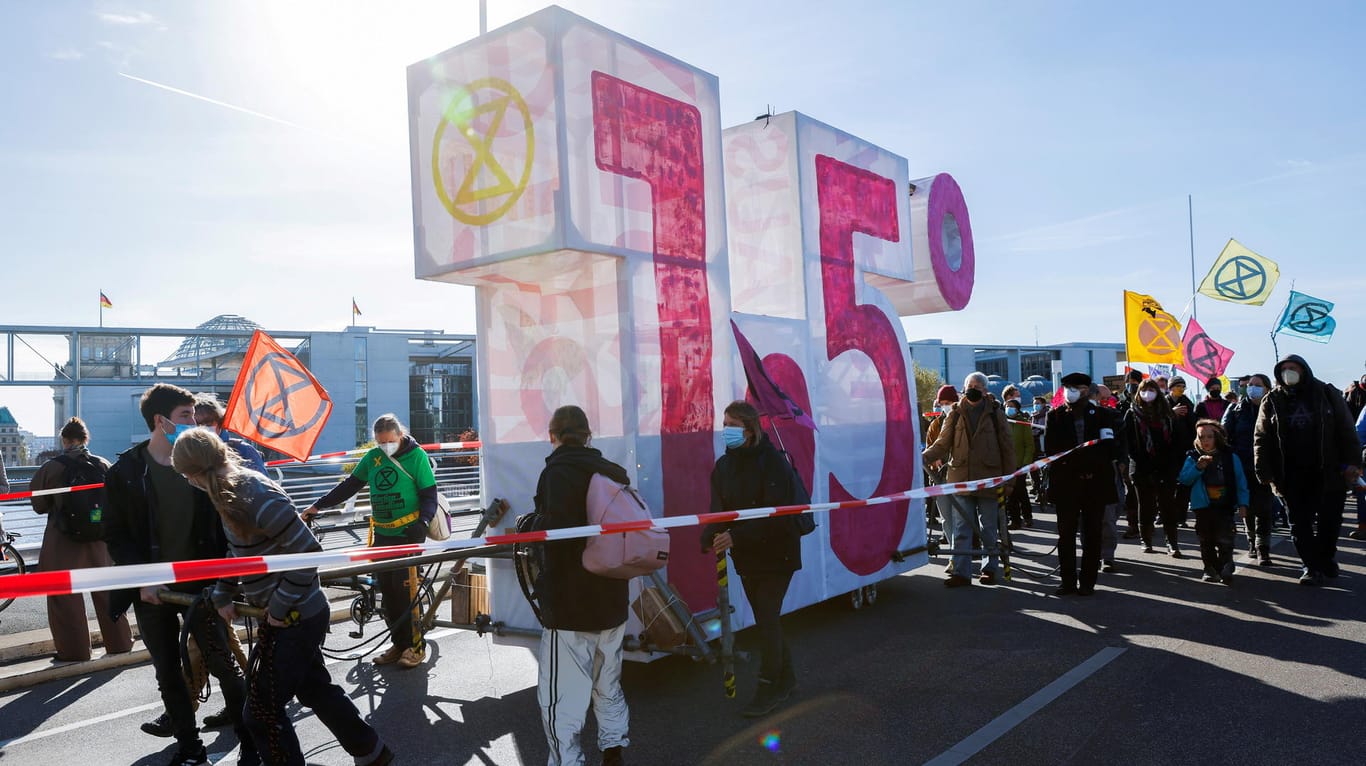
pixel 967 511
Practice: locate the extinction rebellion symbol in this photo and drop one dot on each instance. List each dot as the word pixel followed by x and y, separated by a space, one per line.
pixel 274 415
pixel 1240 279
pixel 1202 355
pixel 1309 318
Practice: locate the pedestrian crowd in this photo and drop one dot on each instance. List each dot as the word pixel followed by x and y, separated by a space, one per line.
pixel 1280 450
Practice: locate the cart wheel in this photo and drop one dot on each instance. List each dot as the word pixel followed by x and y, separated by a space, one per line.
pixel 870 594
pixel 856 599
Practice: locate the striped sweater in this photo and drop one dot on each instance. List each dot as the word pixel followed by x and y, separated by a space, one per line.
pixel 282 532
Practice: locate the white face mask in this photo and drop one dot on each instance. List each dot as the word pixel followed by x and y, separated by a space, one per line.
pixel 1148 395
pixel 1072 395
pixel 389 448
pixel 1290 378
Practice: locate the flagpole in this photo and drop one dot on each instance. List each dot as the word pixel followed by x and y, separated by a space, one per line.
pixel 1275 350
pixel 101 308
pixel 1190 219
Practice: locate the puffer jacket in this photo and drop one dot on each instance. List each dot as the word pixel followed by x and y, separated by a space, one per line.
pixel 1336 443
pixel 986 452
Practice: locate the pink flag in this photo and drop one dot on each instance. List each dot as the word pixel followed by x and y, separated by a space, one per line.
pixel 772 401
pixel 1204 358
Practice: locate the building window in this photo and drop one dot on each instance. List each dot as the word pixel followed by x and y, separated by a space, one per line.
pixel 441 399
pixel 1040 364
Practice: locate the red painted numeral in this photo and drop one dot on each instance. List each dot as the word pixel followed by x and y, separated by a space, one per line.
pixel 854 200
pixel 642 134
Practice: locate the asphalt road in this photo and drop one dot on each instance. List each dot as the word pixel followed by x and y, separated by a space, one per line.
pixel 1156 668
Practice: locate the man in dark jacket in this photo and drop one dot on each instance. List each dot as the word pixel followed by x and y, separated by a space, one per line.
pixel 153 515
pixel 1125 402
pixel 1183 434
pixel 1306 448
pixel 583 614
pixel 1082 483
pixel 1240 423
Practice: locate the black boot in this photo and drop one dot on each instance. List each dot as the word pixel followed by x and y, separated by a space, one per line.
pixel 612 756
pixel 765 700
pixel 787 681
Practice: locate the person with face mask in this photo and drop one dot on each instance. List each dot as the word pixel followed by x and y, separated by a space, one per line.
pixel 1358 491
pixel 259 520
pixel 1306 448
pixel 936 508
pixel 767 552
pixel 1127 397
pixel 1356 397
pixel 1183 417
pixel 1155 455
pixel 974 443
pixel 1022 436
pixel 1218 489
pixel 402 505
pixel 1240 423
pixel 1213 406
pixel 1082 483
pixel 151 514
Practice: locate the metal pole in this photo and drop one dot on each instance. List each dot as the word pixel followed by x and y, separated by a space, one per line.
pixel 483 16
pixel 1190 218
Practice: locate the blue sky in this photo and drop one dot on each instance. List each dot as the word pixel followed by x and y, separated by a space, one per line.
pixel 1076 130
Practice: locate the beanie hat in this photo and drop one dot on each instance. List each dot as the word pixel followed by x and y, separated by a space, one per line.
pixel 946 394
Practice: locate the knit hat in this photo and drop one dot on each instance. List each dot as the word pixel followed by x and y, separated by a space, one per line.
pixel 946 394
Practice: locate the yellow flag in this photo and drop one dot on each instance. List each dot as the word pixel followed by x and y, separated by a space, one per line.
pixel 1150 333
pixel 1240 276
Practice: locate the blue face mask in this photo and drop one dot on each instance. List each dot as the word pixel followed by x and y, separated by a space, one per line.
pixel 1255 392
pixel 733 436
pixel 1012 411
pixel 180 428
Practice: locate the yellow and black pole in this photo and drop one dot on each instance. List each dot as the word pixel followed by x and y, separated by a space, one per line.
pixel 727 639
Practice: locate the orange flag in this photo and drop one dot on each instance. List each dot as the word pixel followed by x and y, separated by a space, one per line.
pixel 277 401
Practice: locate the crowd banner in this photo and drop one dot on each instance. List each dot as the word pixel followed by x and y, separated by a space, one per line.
pixel 143 575
pixel 1307 317
pixel 1150 333
pixel 1203 357
pixel 1240 276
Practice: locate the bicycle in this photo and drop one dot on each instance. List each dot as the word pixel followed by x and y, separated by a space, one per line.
pixel 11 563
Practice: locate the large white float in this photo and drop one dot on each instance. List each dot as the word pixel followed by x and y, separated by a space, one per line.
pixel 581 182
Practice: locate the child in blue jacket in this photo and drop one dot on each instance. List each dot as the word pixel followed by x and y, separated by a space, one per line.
pixel 1218 488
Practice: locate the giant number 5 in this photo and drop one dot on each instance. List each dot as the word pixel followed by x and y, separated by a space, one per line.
pixel 854 200
pixel 642 134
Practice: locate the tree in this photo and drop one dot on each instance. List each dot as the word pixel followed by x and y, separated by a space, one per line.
pixel 927 383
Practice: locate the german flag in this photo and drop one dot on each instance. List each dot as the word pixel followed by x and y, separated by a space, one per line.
pixel 105 303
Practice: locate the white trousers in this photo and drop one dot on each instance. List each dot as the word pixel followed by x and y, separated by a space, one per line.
pixel 579 668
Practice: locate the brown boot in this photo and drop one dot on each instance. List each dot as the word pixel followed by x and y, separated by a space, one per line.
pixel 389 657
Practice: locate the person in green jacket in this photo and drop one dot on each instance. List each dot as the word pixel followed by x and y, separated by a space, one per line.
pixel 402 504
pixel 1021 513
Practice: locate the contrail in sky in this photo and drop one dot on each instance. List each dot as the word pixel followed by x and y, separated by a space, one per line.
pixel 243 110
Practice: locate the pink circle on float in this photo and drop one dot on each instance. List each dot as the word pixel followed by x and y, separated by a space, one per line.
pixel 950 235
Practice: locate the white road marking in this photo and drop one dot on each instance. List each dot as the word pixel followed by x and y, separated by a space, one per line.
pixel 978 740
pixel 45 733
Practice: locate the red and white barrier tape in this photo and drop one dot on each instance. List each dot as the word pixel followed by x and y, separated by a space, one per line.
pixel 143 575
pixel 324 457
pixel 1008 420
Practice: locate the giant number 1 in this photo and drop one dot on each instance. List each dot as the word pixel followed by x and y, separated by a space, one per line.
pixel 642 134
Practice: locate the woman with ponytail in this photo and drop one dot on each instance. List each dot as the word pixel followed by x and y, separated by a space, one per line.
pixel 287 662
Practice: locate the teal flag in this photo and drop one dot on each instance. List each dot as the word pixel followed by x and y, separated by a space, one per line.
pixel 1307 317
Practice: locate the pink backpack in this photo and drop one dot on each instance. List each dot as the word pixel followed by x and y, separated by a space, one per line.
pixel 622 555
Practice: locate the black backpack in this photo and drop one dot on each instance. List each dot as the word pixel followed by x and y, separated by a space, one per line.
pixel 81 515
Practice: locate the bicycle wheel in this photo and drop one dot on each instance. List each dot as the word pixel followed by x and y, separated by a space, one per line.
pixel 10 563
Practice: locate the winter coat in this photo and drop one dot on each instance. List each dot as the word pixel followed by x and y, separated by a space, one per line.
pixel 1211 409
pixel 130 528
pixel 1165 460
pixel 1087 475
pixel 1335 439
pixel 572 598
pixel 1023 439
pixel 1240 423
pixel 755 476
pixel 1192 477
pixel 982 454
